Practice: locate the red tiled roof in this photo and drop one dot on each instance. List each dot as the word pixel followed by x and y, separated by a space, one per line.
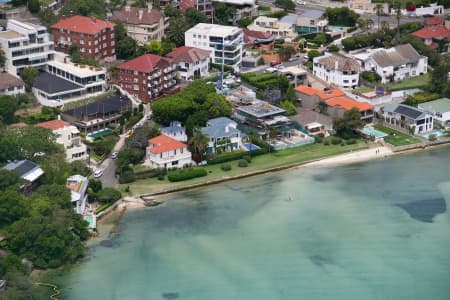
pixel 434 21
pixel 164 143
pixel 145 63
pixel 251 35
pixel 185 4
pixel 53 125
pixel 304 89
pixel 130 15
pixel 437 31
pixel 324 95
pixel 188 54
pixel 82 24
pixel 348 103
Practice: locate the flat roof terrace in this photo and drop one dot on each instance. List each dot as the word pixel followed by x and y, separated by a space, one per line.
pixel 79 71
pixel 261 109
pixel 51 84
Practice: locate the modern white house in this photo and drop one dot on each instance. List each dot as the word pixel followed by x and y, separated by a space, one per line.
pixel 224 42
pixel 393 64
pixel 277 28
pixel 68 136
pixel 408 118
pixel 166 152
pixel 25 45
pixel 192 63
pixel 439 109
pixel 78 185
pixel 337 69
pixel 62 81
pixel 11 85
pixel 223 135
pixel 176 131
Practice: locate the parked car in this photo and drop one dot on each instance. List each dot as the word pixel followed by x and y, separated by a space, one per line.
pixel 271 70
pixel 427 16
pixel 384 15
pixel 98 173
pixel 274 63
pixel 300 2
pixel 114 155
pixel 293 58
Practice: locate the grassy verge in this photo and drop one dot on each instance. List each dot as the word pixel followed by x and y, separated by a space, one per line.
pixel 397 138
pixel 288 157
pixel 420 81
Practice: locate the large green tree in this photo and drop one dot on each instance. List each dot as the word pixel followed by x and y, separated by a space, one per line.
pixel 176 29
pixel 350 121
pixel 28 75
pixel 223 12
pixel 8 106
pixel 197 144
pixel 12 207
pixel 341 16
pixel 95 8
pixel 286 4
pixel 126 47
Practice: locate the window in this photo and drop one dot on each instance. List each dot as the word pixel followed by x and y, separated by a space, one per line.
pixel 345 81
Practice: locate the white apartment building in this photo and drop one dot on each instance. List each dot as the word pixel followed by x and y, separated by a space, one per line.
pixel 277 28
pixel 393 64
pixel 337 69
pixel 78 185
pixel 25 45
pixel 223 42
pixel 166 152
pixel 68 136
pixel 64 81
pixel 192 63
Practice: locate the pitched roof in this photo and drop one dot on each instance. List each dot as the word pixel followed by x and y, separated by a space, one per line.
pixel 83 24
pixel 304 89
pixel 435 31
pixel 348 103
pixel 220 127
pixel 403 109
pixel 53 124
pixel 145 63
pixel 7 81
pixel 26 169
pixel 434 21
pixel 343 64
pixel 188 54
pixel 185 4
pixel 396 56
pixel 312 13
pixel 137 15
pixel 251 36
pixel 325 95
pixel 441 105
pixel 164 143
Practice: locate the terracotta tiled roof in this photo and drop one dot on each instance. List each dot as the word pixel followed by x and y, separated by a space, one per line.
pixel 188 54
pixel 130 15
pixel 304 89
pixel 438 31
pixel 348 103
pixel 53 125
pixel 185 4
pixel 253 35
pixel 7 81
pixel 434 21
pixel 145 63
pixel 164 143
pixel 325 95
pixel 82 24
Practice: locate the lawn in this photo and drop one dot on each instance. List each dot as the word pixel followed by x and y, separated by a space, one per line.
pixel 281 158
pixel 420 81
pixel 363 89
pixel 397 138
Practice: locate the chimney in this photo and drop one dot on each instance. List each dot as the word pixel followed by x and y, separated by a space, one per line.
pixel 141 12
pixel 149 7
pixel 127 8
pixel 65 59
pixel 336 64
pixel 94 19
pixel 227 129
pixel 59 117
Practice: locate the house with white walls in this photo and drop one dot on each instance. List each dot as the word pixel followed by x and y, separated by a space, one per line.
pixel 337 70
pixel 439 109
pixel 408 118
pixel 192 63
pixel 78 185
pixel 223 135
pixel 166 152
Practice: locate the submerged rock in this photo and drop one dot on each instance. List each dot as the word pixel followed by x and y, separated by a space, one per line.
pixel 170 295
pixel 424 210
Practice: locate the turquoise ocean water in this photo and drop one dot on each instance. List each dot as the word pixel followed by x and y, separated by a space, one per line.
pixel 375 230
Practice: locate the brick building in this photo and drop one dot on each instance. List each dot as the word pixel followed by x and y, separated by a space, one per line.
pixel 147 77
pixel 94 37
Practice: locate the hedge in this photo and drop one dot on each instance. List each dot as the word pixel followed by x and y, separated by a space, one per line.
pixel 129 176
pixel 103 207
pixel 235 156
pixel 186 174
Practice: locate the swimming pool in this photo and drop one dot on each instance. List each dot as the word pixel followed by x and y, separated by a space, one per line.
pixel 436 133
pixel 100 133
pixel 91 221
pixel 372 132
pixel 250 147
pixel 337 28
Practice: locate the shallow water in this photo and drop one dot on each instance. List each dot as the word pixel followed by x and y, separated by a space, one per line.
pixel 376 230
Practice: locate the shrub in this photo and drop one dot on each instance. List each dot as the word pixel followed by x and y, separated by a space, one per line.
pixel 351 142
pixel 248 158
pixel 243 163
pixel 319 139
pixel 370 76
pixel 103 207
pixel 432 137
pixel 335 140
pixel 161 177
pixel 326 142
pixel 186 174
pixel 230 156
pixel 225 167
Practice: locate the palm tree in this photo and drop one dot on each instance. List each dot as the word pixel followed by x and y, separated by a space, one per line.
pixel 369 23
pixel 378 8
pixel 385 26
pixel 398 15
pixel 198 143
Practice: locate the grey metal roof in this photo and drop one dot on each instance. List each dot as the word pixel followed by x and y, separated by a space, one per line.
pixel 52 84
pixel 406 110
pixel 112 104
pixel 396 56
pixel 289 20
pixel 25 169
pixel 219 127
pixel 312 13
pixel 441 105
pixel 173 128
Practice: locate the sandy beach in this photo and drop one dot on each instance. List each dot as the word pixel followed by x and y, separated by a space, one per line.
pixel 352 157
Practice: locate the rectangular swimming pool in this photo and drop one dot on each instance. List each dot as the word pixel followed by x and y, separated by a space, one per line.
pixel 250 147
pixel 436 133
pixel 372 132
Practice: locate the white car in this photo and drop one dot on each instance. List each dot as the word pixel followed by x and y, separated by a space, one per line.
pixel 114 154
pixel 98 173
pixel 271 70
pixel 300 2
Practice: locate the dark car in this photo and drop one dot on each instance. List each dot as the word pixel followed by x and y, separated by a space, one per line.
pixel 384 15
pixel 427 16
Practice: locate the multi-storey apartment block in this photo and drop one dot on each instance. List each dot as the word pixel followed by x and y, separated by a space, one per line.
pixel 94 37
pixel 25 45
pixel 147 77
